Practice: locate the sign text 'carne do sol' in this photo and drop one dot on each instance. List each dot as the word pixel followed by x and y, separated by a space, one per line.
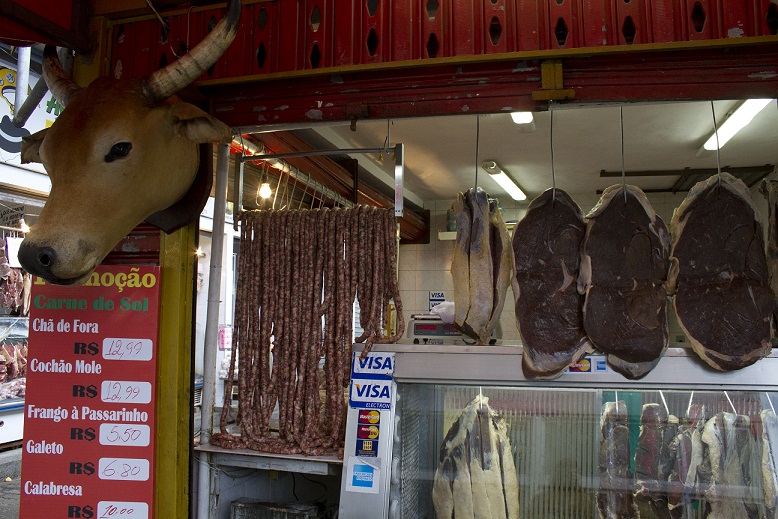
pixel 89 408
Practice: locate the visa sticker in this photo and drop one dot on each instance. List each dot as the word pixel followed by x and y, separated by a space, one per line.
pixel 375 365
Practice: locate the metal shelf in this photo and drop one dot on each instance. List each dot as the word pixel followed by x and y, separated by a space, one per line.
pixel 249 459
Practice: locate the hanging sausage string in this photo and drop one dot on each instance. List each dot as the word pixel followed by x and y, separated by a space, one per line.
pixel 299 273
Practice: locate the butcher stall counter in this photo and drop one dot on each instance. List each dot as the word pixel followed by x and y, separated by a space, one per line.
pixel 684 441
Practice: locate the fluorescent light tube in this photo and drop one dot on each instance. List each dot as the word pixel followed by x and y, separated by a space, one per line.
pixel 521 117
pixel 509 186
pixel 399 174
pixel 736 122
pixel 506 182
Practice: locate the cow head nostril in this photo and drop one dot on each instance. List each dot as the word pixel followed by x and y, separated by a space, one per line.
pixel 46 257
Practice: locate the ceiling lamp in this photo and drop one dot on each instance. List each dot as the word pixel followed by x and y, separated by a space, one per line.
pixel 506 182
pixel 265 191
pixel 736 122
pixel 524 120
pixel 522 117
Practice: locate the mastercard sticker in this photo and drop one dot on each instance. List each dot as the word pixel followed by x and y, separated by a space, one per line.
pixel 367 432
pixel 369 416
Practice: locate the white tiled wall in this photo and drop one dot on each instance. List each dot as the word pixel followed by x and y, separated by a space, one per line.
pixel 425 268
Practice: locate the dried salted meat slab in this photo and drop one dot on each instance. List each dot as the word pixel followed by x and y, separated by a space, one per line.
pixel 549 310
pixel 719 274
pixel 623 274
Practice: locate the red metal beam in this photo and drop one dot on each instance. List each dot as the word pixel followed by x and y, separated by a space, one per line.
pixel 63 23
pixel 726 73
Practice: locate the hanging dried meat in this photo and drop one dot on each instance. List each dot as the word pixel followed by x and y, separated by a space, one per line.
pixel 623 274
pixel 687 446
pixel 482 266
pixel 298 275
pixel 476 475
pixel 614 498
pixel 654 458
pixel 719 274
pixel 549 309
pixel 727 438
pixel 770 461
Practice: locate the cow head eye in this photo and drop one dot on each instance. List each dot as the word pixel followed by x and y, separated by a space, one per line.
pixel 118 150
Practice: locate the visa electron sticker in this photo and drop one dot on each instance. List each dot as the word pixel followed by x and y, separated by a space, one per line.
pixel 370 394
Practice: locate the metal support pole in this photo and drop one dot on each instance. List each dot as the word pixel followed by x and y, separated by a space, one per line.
pixel 22 76
pixel 22 111
pixel 212 327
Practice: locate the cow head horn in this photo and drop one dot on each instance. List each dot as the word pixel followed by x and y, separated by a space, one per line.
pixel 169 80
pixel 56 78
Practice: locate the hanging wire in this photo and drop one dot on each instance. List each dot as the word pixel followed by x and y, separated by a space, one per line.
pixel 480 397
pixel 164 24
pixel 718 148
pixel 262 177
pixel 623 173
pixel 689 407
pixel 662 396
pixel 770 401
pixel 388 136
pixel 553 169
pixel 730 402
pixel 305 192
pixel 477 143
pixel 278 188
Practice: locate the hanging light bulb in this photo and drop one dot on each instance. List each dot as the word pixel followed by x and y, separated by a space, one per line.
pixel 265 191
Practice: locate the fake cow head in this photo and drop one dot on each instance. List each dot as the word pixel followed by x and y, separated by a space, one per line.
pixel 121 151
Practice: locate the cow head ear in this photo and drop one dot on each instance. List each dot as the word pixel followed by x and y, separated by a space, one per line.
pixel 198 126
pixel 31 146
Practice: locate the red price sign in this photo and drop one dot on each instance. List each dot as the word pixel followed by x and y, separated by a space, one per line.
pixel 89 405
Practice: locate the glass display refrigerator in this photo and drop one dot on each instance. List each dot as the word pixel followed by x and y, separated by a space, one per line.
pixel 13 370
pixel 449 431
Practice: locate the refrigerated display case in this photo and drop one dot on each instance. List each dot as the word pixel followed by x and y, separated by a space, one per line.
pixel 13 370
pixel 560 444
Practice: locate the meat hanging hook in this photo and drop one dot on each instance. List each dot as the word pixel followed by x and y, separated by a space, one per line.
pixel 769 400
pixel 718 148
pixel 689 407
pixel 278 188
pixel 623 173
pixel 305 192
pixel 553 169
